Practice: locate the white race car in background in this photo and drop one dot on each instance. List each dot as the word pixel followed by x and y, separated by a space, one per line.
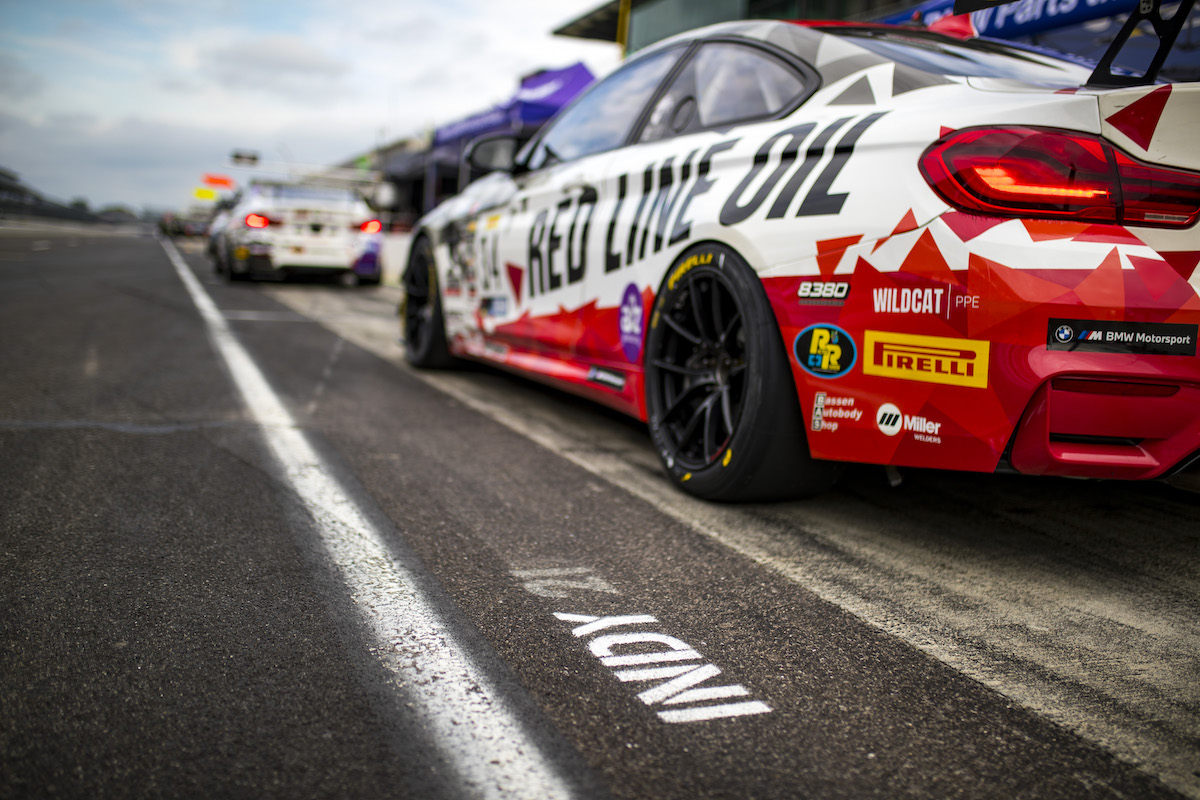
pixel 278 229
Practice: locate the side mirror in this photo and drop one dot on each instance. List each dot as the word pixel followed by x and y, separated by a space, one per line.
pixel 495 152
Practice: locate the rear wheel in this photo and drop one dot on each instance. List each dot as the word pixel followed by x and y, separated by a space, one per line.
pixel 424 326
pixel 722 405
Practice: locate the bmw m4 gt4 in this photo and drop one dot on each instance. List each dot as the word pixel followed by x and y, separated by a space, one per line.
pixel 788 246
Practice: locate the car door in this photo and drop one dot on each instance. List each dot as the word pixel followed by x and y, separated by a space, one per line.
pixel 695 145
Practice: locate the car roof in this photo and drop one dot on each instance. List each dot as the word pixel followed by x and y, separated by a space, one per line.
pixel 834 49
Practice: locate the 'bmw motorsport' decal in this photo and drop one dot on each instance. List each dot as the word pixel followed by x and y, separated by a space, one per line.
pixel 1143 338
pixel 825 351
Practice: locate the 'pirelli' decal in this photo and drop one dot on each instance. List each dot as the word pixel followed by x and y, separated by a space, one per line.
pixel 930 359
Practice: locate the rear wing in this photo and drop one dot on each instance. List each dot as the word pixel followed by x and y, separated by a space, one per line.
pixel 1146 10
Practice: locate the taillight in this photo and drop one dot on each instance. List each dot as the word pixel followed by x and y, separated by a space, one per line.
pixel 257 221
pixel 1051 174
pixel 371 226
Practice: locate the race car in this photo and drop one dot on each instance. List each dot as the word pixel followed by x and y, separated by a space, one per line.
pixel 277 229
pixel 789 246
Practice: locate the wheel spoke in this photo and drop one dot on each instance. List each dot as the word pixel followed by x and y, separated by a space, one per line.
pixel 685 395
pixel 727 410
pixel 730 329
pixel 677 326
pixel 699 418
pixel 720 330
pixel 697 313
pixel 679 369
pixel 708 448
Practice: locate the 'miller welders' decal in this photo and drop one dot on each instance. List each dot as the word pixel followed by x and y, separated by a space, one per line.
pixel 1141 338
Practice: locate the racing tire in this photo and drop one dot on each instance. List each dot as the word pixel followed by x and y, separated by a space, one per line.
pixel 720 398
pixel 231 273
pixel 421 311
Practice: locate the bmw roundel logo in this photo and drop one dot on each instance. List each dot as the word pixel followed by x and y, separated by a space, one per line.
pixel 1064 333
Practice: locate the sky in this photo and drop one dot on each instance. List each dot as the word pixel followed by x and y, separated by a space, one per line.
pixel 131 102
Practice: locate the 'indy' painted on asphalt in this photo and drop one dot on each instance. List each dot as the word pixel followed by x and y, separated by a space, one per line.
pixel 676 677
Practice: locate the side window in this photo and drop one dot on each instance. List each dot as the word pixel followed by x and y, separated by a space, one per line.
pixel 602 118
pixel 723 84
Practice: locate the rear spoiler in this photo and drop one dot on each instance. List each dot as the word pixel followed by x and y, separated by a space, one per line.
pixel 1146 10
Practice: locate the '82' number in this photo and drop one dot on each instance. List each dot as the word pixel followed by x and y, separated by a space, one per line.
pixel 826 290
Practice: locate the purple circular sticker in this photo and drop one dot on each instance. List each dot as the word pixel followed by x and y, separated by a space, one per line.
pixel 630 322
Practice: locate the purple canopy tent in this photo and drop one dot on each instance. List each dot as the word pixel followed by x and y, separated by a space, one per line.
pixel 539 98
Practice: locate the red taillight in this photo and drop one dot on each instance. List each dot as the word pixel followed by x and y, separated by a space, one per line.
pixel 371 226
pixel 1051 174
pixel 257 221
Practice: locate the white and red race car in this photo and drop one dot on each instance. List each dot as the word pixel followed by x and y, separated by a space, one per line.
pixel 786 246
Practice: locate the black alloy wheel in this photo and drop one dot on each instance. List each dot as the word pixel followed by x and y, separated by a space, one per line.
pixel 424 326
pixel 722 405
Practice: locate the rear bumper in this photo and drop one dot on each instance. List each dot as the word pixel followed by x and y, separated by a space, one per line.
pixel 1108 427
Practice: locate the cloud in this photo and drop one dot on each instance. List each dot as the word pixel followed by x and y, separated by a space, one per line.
pixel 274 64
pixel 17 82
pixel 128 101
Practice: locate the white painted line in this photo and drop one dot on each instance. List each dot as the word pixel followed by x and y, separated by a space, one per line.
pixel 482 739
pixel 704 713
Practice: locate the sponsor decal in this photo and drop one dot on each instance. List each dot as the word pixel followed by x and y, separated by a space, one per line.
pixel 908 301
pixel 1138 338
pixel 891 420
pixel 630 316
pixel 686 266
pixel 825 351
pixel 823 293
pixel 929 359
pixel 818 200
pixel 495 306
pixel 828 411
pixel 606 377
pixel 660 216
pixel 558 243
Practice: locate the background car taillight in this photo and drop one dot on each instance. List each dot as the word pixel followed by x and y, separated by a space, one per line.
pixel 1052 174
pixel 257 221
pixel 371 226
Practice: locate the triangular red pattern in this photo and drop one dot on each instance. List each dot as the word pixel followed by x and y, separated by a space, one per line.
pixel 1108 234
pixel 1009 290
pixel 1045 230
pixel 1157 276
pixel 1139 119
pixel 944 130
pixel 968 226
pixel 1104 287
pixel 1184 262
pixel 926 259
pixel 516 276
pixel 829 253
pixel 1067 91
pixel 909 223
